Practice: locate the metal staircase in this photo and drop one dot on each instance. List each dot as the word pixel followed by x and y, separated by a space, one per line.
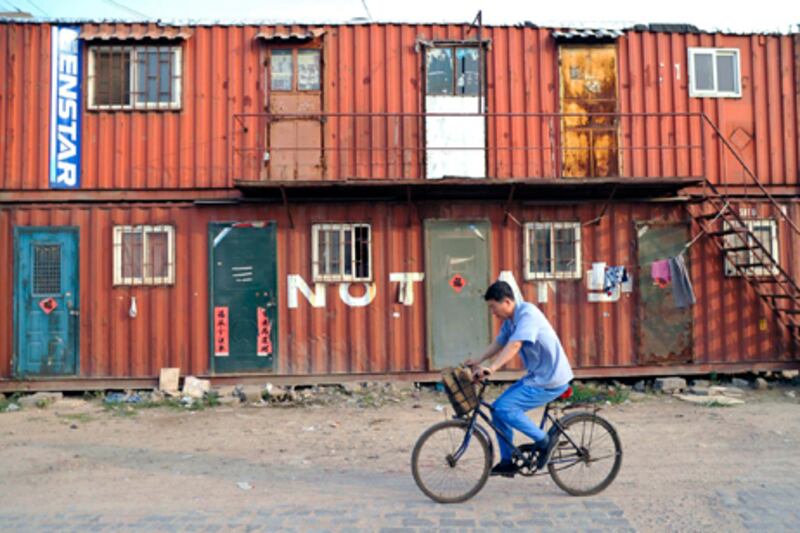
pixel 750 257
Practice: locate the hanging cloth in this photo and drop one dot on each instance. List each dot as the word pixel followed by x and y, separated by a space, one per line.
pixel 682 290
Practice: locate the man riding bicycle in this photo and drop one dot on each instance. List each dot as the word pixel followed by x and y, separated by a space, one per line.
pixel 526 331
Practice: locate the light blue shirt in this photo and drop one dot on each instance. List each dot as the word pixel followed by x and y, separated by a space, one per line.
pixel 541 352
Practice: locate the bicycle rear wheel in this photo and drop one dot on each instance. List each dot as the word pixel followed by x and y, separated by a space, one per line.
pixel 590 464
pixel 438 474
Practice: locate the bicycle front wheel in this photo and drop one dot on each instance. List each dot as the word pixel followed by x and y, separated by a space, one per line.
pixel 589 460
pixel 439 474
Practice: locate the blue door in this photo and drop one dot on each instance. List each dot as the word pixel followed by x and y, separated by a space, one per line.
pixel 46 307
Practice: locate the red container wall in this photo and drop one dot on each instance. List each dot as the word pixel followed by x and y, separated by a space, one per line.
pixel 730 325
pixel 377 68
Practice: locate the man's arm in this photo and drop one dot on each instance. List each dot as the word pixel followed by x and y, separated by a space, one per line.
pixel 507 354
pixel 489 352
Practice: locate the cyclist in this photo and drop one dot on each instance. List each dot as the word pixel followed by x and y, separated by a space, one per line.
pixel 525 331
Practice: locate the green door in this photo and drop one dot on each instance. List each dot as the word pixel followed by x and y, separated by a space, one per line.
pixel 664 332
pixel 46 301
pixel 244 297
pixel 457 275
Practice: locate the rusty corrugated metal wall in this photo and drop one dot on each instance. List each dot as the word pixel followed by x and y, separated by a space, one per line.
pixel 729 324
pixel 375 68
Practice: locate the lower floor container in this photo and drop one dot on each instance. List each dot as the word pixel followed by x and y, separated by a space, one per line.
pixel 94 295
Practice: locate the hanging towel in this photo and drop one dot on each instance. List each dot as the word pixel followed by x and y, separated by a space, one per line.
pixel 614 276
pixel 660 272
pixel 682 291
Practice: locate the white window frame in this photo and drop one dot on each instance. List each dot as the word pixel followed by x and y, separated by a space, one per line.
pixel 715 93
pixel 575 273
pixel 177 91
pixel 734 241
pixel 341 277
pixel 145 230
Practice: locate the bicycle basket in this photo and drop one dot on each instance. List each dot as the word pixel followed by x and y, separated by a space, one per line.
pixel 460 389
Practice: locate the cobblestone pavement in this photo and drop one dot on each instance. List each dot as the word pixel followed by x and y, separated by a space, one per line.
pixel 685 468
pixel 356 501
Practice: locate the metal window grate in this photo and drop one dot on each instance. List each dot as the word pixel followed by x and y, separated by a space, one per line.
pixel 135 77
pixel 341 252
pixel 46 269
pixel 552 250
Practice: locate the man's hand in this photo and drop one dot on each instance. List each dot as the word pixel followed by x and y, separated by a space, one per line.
pixel 471 363
pixel 481 372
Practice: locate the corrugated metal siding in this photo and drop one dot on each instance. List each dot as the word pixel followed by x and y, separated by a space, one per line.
pixel 375 68
pixel 172 324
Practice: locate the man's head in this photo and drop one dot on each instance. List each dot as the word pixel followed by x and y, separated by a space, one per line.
pixel 500 299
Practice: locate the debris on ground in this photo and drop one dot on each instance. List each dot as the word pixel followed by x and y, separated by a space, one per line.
pixel 670 385
pixel 39 399
pixel 168 381
pixel 195 388
pixel 244 485
pixel 710 400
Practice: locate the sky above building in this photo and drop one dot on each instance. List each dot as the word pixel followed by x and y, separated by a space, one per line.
pixel 763 16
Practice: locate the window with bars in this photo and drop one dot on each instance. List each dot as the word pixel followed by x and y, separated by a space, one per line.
pixel 766 232
pixel 452 70
pixel 135 77
pixel 144 255
pixel 46 269
pixel 341 252
pixel 714 72
pixel 552 250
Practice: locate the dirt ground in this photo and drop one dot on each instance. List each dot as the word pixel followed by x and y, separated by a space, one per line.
pixel 682 462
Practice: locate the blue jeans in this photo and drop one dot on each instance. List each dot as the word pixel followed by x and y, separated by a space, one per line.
pixel 509 413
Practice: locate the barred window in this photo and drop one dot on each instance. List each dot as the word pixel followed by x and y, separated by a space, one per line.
pixel 766 232
pixel 134 77
pixel 144 255
pixel 552 250
pixel 341 252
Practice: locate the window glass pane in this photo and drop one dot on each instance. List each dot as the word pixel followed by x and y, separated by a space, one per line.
pixel 704 72
pixel 565 249
pixel 727 77
pixel 334 251
pixel 158 252
pixel 541 259
pixel 439 68
pixel 322 256
pixel 348 252
pixel 112 76
pixel 308 70
pixel 132 255
pixel 281 70
pixel 362 252
pixel 467 71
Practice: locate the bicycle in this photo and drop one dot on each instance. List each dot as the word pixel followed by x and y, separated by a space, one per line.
pixel 448 470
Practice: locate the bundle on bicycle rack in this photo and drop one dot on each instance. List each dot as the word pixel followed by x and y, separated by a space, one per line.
pixel 460 389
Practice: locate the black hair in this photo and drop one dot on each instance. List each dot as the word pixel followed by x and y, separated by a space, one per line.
pixel 499 291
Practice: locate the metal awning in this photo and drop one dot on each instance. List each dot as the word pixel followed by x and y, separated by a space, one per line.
pixel 133 32
pixel 287 34
pixel 587 35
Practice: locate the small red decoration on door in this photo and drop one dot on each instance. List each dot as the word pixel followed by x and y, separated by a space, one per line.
pixel 458 283
pixel 221 331
pixel 48 305
pixel 264 341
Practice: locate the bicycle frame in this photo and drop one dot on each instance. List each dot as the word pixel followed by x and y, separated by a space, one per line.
pixel 478 413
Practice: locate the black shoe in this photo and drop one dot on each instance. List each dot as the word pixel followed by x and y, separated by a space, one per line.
pixel 504 468
pixel 542 452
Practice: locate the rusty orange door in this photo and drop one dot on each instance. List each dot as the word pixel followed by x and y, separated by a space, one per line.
pixel 589 88
pixel 295 88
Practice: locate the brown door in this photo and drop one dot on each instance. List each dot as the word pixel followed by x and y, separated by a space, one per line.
pixel 294 87
pixel 588 86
